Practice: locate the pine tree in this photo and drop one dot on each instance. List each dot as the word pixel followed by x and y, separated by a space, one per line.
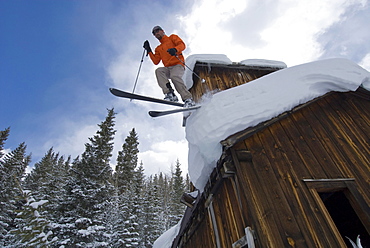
pixel 178 188
pixel 138 202
pixel 129 184
pixel 162 196
pixel 12 170
pixel 5 219
pixel 151 226
pixel 46 181
pixel 3 137
pixel 88 191
pixel 94 163
pixel 187 183
pixel 48 176
pixel 126 162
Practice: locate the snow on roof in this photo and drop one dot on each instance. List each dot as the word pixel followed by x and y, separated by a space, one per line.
pixel 166 239
pixel 223 60
pixel 238 108
pixel 264 63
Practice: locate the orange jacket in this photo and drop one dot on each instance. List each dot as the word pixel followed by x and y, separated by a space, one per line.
pixel 160 53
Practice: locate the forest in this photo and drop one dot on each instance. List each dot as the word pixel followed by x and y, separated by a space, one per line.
pixel 84 202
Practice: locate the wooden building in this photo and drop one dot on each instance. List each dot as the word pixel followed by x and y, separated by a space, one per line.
pixel 298 180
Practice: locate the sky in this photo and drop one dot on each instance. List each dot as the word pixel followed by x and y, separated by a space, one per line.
pixel 59 58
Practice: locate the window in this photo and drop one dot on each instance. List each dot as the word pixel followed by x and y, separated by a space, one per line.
pixel 346 207
pixel 344 216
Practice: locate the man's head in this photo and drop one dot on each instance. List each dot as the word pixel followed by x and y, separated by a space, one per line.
pixel 158 32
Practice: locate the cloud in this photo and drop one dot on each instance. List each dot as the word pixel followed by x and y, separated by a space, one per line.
pixel 284 30
pixel 252 19
pixel 348 37
pixel 365 62
pixel 71 141
pixel 163 155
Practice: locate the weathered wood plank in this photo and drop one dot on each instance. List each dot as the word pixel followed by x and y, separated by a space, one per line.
pixel 250 198
pixel 354 133
pixel 230 212
pixel 277 181
pixel 234 210
pixel 301 119
pixel 324 135
pixel 269 195
pixel 344 136
pixel 338 241
pixel 356 162
pixel 361 118
pixel 290 173
pixel 301 148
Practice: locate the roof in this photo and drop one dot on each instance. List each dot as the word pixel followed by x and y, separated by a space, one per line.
pixel 233 110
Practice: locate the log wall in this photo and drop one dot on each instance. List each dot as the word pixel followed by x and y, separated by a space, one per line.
pixel 222 77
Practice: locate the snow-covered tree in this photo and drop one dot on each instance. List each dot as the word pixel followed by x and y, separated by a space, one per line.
pixel 48 175
pixel 88 191
pixel 81 204
pixel 46 181
pixel 127 161
pixel 178 188
pixel 129 184
pixel 32 227
pixel 3 137
pixel 12 170
pixel 151 221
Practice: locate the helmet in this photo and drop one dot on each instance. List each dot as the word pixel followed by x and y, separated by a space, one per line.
pixel 156 28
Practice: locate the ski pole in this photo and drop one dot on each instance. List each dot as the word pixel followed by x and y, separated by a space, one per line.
pixel 137 76
pixel 201 79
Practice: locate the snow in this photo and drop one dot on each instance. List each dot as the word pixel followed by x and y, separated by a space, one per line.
pixel 264 63
pixel 238 108
pixel 166 239
pixel 366 85
pixel 35 205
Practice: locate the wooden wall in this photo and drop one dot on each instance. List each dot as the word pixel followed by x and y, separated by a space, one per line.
pixel 323 145
pixel 222 77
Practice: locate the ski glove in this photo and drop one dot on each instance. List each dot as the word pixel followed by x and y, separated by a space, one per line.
pixel 172 51
pixel 147 47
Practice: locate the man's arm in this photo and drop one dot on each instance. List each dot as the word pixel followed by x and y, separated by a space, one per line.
pixel 155 57
pixel 179 43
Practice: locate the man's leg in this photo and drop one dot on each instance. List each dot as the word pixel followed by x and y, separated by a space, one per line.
pixel 163 74
pixel 176 73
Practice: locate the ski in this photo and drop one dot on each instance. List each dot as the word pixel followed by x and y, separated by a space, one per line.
pixel 129 95
pixel 168 112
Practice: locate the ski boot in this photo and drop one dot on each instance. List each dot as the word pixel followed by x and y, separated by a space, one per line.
pixel 189 103
pixel 170 96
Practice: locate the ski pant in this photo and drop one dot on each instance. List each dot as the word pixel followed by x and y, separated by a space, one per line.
pixel 174 73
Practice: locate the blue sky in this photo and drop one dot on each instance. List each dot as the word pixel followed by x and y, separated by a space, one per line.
pixel 58 59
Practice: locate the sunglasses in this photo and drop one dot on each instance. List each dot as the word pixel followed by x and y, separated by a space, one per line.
pixel 156 31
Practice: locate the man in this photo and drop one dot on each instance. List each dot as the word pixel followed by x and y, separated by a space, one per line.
pixel 170 53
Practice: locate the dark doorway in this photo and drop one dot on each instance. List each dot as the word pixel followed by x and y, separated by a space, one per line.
pixel 345 218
